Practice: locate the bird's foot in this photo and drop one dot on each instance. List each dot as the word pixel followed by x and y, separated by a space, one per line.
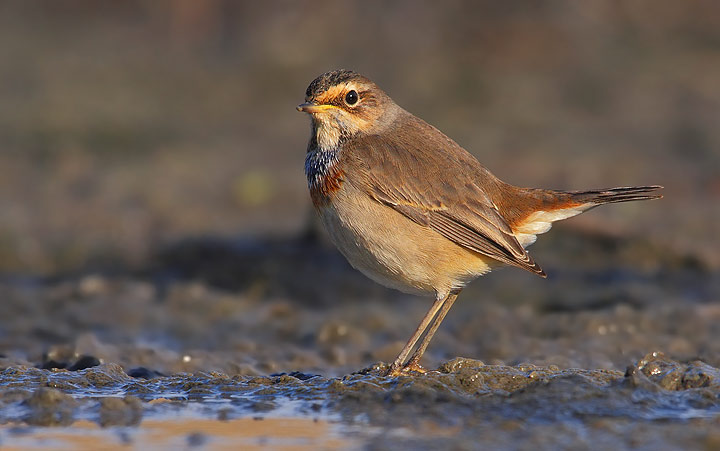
pixel 411 367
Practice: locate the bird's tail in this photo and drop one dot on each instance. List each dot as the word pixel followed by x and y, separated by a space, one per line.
pixel 558 205
pixel 622 194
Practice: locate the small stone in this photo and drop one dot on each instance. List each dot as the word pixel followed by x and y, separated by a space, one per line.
pixel 144 373
pixel 196 439
pixel 50 407
pixel 120 411
pixel 84 362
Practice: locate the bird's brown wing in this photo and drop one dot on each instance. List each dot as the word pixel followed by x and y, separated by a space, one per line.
pixel 427 177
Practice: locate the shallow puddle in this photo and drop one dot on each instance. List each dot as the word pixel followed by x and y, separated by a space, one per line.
pixel 456 405
pixel 242 433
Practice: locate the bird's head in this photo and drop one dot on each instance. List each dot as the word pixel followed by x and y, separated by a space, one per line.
pixel 343 104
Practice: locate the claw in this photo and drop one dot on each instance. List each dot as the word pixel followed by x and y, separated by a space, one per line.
pixel 414 367
pixel 411 367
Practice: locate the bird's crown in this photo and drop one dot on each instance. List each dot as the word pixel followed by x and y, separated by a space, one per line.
pixel 330 79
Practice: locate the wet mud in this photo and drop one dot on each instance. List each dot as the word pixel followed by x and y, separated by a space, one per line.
pixel 656 403
pixel 618 349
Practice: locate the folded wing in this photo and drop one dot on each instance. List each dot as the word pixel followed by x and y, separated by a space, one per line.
pixel 445 191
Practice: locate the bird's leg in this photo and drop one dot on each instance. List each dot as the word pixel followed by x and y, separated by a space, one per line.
pixel 396 367
pixel 414 362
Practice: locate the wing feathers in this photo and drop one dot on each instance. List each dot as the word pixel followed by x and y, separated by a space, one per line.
pixel 507 249
pixel 437 184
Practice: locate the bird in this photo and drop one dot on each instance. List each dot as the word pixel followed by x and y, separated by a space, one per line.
pixel 411 209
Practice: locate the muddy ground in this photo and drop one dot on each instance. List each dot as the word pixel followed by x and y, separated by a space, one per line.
pixel 621 349
pixel 163 283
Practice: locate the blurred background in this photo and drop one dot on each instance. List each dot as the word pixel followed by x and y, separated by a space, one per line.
pixel 129 127
pixel 125 125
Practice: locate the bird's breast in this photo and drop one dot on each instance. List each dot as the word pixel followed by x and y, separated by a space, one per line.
pixel 324 175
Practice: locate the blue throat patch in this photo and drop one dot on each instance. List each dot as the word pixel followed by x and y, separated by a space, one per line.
pixel 318 164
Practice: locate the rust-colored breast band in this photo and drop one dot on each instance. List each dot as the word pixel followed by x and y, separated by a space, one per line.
pixel 325 187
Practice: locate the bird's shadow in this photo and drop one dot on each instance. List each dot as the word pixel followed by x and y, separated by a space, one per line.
pixel 307 269
pixel 302 267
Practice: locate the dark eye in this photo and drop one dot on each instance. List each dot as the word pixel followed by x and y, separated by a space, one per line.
pixel 351 97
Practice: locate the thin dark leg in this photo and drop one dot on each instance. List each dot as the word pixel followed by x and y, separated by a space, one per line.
pixel 400 360
pixel 414 362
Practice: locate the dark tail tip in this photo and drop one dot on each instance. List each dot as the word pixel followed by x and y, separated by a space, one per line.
pixel 620 194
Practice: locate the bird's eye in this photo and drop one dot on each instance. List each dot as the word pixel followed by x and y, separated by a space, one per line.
pixel 351 97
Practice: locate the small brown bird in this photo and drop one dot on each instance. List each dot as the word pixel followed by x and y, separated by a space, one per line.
pixel 413 210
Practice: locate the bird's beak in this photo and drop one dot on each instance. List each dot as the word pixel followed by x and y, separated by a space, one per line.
pixel 309 107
